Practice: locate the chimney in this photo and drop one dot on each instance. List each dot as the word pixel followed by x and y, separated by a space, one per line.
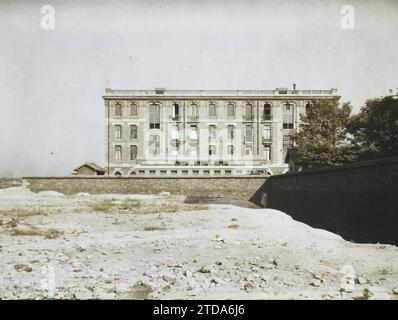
pixel 294 87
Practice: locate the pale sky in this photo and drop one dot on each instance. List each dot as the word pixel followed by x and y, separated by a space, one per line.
pixel 51 81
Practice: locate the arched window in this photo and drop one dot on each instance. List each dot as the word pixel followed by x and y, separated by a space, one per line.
pixel 248 112
pixel 288 116
pixel 118 173
pixel 133 110
pixel 230 110
pixel 118 109
pixel 154 116
pixel 212 110
pixel 267 112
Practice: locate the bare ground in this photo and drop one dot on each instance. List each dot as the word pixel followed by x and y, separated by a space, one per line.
pixel 158 247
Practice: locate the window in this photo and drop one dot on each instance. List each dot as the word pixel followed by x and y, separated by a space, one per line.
pixel 249 134
pixel 133 152
pixel 133 110
pixel 118 131
pixel 133 131
pixel 307 107
pixel 194 109
pixel 212 132
pixel 212 150
pixel 288 116
pixel 175 110
pixel 193 134
pixel 230 150
pixel 118 152
pixel 248 112
pixel 230 132
pixel 287 144
pixel 249 150
pixel 267 112
pixel 118 109
pixel 193 151
pixel 212 110
pixel 175 136
pixel 267 153
pixel 154 144
pixel 267 132
pixel 154 116
pixel 230 110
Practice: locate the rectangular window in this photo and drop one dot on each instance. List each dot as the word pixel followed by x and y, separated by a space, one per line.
pixel 230 132
pixel 249 150
pixel 230 150
pixel 212 132
pixel 118 131
pixel 154 144
pixel 287 144
pixel 133 132
pixel 154 116
pixel 230 110
pixel 193 134
pixel 212 110
pixel 133 152
pixel 248 112
pixel 249 134
pixel 118 109
pixel 212 150
pixel 267 112
pixel 267 132
pixel 118 152
pixel 267 153
pixel 133 110
pixel 288 116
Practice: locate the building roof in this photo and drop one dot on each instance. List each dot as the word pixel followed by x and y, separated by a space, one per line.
pixel 91 165
pixel 164 93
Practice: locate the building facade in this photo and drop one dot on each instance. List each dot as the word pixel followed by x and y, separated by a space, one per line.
pixel 202 132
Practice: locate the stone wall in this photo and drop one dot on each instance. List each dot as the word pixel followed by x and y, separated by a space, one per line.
pixel 357 201
pixel 10 182
pixel 230 187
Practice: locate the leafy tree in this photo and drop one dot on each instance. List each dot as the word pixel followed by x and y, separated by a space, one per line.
pixel 322 137
pixel 374 129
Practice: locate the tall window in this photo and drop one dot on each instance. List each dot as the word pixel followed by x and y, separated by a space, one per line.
pixel 249 134
pixel 154 144
pixel 267 132
pixel 133 110
pixel 194 109
pixel 193 134
pixel 230 150
pixel 118 131
pixel 154 116
pixel 267 153
pixel 118 152
pixel 118 109
pixel 174 133
pixel 288 116
pixel 212 132
pixel 133 131
pixel 307 107
pixel 230 132
pixel 249 149
pixel 287 144
pixel 212 110
pixel 133 152
pixel 175 110
pixel 230 110
pixel 248 112
pixel 267 112
pixel 212 150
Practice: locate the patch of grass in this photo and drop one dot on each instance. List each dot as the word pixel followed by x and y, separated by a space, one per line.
pixel 22 213
pixel 233 226
pixel 129 204
pixel 154 228
pixel 32 231
pixel 102 206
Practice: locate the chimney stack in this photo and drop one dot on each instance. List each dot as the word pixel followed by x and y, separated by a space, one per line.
pixel 294 87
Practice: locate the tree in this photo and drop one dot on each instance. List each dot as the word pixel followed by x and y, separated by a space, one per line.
pixel 322 137
pixel 374 129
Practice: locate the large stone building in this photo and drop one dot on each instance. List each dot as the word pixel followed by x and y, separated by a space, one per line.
pixel 202 132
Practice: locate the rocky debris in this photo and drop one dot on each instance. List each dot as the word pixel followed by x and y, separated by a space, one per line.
pixel 361 280
pixel 204 269
pixel 375 293
pixel 22 267
pixel 248 286
pixel 395 290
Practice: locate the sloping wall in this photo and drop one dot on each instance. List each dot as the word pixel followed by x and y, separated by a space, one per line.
pixel 358 201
